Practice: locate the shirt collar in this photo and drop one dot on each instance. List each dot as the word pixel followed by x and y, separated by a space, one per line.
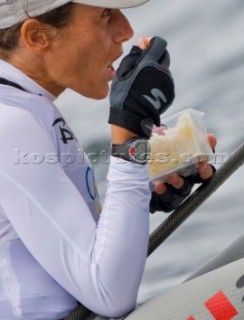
pixel 13 74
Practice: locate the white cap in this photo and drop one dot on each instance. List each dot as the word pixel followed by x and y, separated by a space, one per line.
pixel 15 11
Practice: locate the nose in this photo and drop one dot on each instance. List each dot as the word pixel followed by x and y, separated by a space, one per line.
pixel 124 30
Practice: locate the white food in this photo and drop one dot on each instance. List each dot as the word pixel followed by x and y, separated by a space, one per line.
pixel 179 147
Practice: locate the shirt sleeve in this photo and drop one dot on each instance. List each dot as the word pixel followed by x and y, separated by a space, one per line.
pixel 101 264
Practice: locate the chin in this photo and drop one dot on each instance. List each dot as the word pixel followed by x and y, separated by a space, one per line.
pixel 99 94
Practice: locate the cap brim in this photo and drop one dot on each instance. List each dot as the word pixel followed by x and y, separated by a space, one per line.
pixel 116 4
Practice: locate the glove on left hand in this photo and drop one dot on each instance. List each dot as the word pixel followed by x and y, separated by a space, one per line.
pixel 172 198
pixel 142 89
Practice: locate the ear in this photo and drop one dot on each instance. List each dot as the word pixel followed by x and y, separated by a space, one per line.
pixel 36 35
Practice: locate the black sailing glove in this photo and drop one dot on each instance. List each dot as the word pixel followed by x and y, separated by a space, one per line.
pixel 143 88
pixel 172 198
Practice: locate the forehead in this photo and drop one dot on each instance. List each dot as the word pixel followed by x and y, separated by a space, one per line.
pixel 86 14
pixel 86 9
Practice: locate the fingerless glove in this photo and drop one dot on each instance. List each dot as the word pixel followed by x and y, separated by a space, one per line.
pixel 142 89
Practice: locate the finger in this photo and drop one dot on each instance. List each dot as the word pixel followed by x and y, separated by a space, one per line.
pixel 160 187
pixel 205 170
pixel 144 42
pixel 155 50
pixel 176 181
pixel 212 140
pixel 160 130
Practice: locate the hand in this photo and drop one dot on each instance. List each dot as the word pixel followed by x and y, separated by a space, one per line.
pixel 168 196
pixel 143 89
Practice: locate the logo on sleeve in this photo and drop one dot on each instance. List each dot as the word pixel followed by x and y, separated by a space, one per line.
pixel 158 98
pixel 66 134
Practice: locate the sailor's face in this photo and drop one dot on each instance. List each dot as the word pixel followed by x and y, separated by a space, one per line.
pixel 83 53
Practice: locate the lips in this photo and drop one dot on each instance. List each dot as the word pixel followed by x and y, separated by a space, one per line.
pixel 110 67
pixel 111 72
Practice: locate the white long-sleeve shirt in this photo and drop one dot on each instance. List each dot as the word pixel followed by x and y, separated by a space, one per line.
pixel 54 247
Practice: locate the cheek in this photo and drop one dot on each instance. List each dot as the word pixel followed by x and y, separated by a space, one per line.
pixel 82 70
pixel 61 64
pixel 68 67
pixel 96 79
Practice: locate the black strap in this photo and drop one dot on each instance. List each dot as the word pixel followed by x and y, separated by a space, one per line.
pixel 10 83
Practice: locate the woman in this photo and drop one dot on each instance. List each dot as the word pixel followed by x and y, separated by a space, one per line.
pixel 55 249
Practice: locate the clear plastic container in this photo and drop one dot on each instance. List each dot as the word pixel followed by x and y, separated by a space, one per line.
pixel 178 144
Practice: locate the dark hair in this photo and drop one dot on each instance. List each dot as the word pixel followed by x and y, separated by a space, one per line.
pixel 57 18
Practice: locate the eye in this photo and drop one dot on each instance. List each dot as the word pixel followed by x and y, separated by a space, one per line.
pixel 107 12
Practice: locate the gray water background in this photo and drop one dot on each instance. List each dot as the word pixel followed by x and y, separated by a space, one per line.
pixel 206 44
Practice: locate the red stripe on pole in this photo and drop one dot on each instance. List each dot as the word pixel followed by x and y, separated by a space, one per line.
pixel 221 307
pixel 191 318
